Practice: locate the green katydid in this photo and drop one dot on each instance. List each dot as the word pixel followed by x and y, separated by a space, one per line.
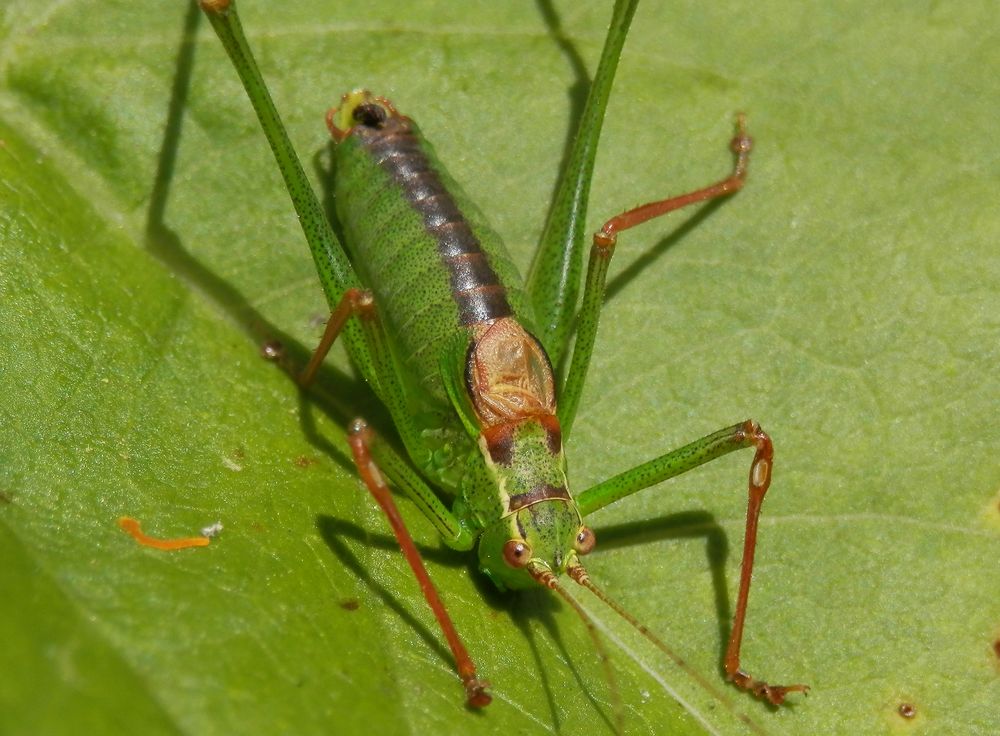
pixel 461 351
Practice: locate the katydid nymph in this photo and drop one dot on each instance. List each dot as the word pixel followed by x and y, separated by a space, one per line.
pixel 472 363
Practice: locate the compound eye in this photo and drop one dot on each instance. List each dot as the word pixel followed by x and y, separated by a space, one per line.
pixel 516 553
pixel 585 540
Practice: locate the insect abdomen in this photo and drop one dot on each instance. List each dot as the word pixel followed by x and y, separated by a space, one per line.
pixel 432 262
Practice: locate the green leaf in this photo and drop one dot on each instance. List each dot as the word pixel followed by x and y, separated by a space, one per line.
pixel 847 299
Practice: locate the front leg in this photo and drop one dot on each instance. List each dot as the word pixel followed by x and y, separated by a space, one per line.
pixel 361 439
pixel 745 434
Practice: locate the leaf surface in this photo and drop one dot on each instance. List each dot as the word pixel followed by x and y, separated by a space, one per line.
pixel 847 299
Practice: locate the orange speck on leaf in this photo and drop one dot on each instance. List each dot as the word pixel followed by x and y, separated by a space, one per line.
pixel 130 525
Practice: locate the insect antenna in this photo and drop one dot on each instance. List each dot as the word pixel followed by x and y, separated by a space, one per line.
pixel 546 578
pixel 580 575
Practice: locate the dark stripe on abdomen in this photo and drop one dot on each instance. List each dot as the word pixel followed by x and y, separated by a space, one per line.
pixel 475 287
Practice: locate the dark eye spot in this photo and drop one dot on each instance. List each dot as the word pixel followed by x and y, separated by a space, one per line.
pixel 370 115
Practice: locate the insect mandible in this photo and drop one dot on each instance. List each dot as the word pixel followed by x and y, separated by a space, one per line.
pixel 466 356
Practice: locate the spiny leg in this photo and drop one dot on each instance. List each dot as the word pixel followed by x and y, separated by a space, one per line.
pixel 760 481
pixel 554 277
pixel 364 338
pixel 331 260
pixel 739 436
pixel 740 145
pixel 353 302
pixel 720 443
pixel 360 439
pixel 365 447
pixel 603 248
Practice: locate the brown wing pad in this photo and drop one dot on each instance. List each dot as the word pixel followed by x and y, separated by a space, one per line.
pixel 508 374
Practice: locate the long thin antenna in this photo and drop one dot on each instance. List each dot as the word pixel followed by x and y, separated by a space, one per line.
pixel 579 574
pixel 548 579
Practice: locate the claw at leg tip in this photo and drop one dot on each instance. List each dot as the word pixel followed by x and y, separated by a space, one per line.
pixel 476 694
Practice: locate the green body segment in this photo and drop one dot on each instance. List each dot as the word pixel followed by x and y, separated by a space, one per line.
pixel 400 257
pixel 452 306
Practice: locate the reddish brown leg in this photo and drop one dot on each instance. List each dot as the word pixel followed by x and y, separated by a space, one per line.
pixel 352 302
pixel 742 435
pixel 360 439
pixel 760 479
pixel 600 254
pixel 740 145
